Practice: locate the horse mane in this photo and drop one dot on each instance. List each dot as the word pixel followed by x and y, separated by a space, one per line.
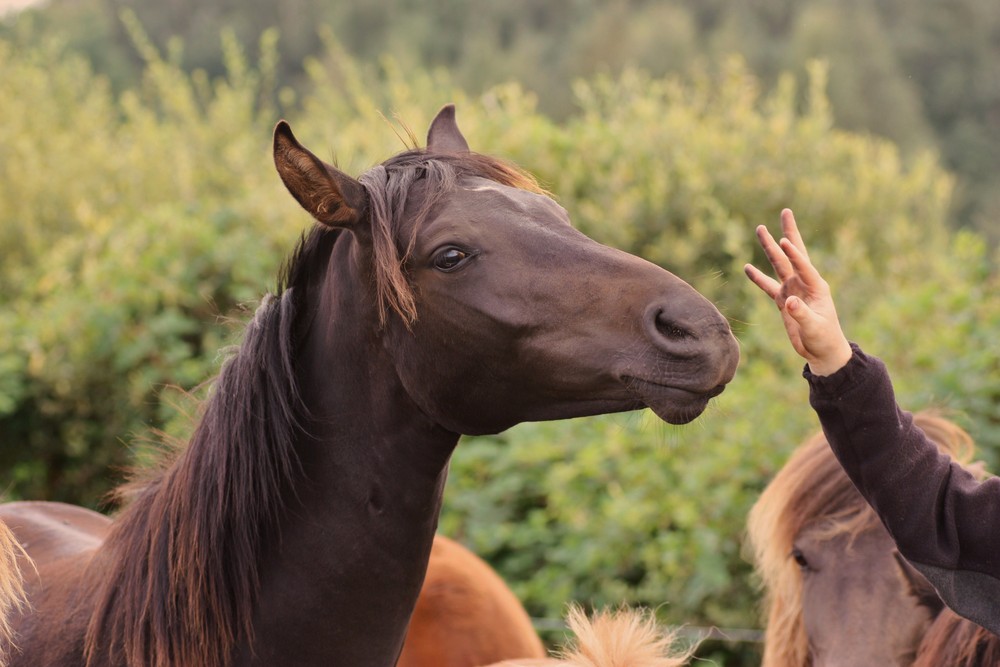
pixel 11 587
pixel 181 563
pixel 953 641
pixel 622 638
pixel 813 491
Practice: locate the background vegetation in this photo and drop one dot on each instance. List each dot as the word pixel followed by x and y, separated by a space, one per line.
pixel 922 73
pixel 140 219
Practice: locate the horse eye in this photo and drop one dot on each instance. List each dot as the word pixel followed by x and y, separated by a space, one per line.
pixel 450 259
pixel 800 559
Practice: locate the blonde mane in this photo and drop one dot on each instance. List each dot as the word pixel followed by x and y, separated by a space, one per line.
pixel 623 638
pixel 813 491
pixel 11 587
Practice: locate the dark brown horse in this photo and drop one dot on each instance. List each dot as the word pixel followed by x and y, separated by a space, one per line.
pixel 837 592
pixel 466 616
pixel 441 293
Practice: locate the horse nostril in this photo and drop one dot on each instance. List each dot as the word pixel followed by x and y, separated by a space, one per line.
pixel 670 329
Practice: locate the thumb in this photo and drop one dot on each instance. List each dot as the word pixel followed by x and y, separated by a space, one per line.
pixel 799 311
pixel 811 324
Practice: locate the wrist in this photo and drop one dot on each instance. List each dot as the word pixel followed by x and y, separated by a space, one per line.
pixel 830 363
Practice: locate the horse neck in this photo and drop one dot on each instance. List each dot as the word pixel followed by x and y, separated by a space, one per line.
pixel 354 543
pixel 299 518
pixel 358 411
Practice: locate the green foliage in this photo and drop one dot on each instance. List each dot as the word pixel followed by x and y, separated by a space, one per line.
pixel 130 225
pixel 920 72
pixel 135 224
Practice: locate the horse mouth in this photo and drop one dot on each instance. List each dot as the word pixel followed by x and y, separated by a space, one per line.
pixel 673 405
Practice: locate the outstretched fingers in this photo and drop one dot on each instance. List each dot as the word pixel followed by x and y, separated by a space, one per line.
pixel 793 269
pixel 801 266
pixel 790 230
pixel 782 267
pixel 766 283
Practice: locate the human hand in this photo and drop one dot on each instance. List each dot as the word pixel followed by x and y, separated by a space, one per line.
pixel 803 297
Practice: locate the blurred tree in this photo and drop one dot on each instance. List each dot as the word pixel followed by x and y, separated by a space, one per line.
pixel 868 89
pixel 951 51
pixel 920 72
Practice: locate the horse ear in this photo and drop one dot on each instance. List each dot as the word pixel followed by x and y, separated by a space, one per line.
pixel 444 135
pixel 918 586
pixel 332 197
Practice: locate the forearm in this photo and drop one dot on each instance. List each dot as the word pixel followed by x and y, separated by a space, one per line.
pixel 937 513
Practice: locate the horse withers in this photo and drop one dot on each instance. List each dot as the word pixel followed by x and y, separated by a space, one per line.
pixel 441 293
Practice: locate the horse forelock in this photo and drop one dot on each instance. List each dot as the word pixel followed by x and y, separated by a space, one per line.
pixel 390 188
pixel 813 491
pixel 181 565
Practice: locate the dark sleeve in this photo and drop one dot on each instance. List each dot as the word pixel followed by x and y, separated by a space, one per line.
pixel 942 519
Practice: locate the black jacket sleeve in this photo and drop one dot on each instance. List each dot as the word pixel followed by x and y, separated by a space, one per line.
pixel 944 521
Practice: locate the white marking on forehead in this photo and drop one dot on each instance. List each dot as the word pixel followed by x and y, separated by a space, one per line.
pixel 525 200
pixel 487 185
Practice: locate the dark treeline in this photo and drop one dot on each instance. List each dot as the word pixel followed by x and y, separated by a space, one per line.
pixel 923 73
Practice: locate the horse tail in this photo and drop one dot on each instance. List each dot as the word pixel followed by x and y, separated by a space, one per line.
pixel 12 597
pixel 622 638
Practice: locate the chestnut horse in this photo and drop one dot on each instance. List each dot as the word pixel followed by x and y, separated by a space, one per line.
pixel 466 616
pixel 837 592
pixel 623 638
pixel 441 293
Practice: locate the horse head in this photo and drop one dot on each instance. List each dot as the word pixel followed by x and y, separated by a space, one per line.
pixel 495 309
pixel 861 603
pixel 836 590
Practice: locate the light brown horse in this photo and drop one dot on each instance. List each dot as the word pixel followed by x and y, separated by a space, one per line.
pixel 836 590
pixel 11 585
pixel 622 638
pixel 466 616
pixel 441 293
